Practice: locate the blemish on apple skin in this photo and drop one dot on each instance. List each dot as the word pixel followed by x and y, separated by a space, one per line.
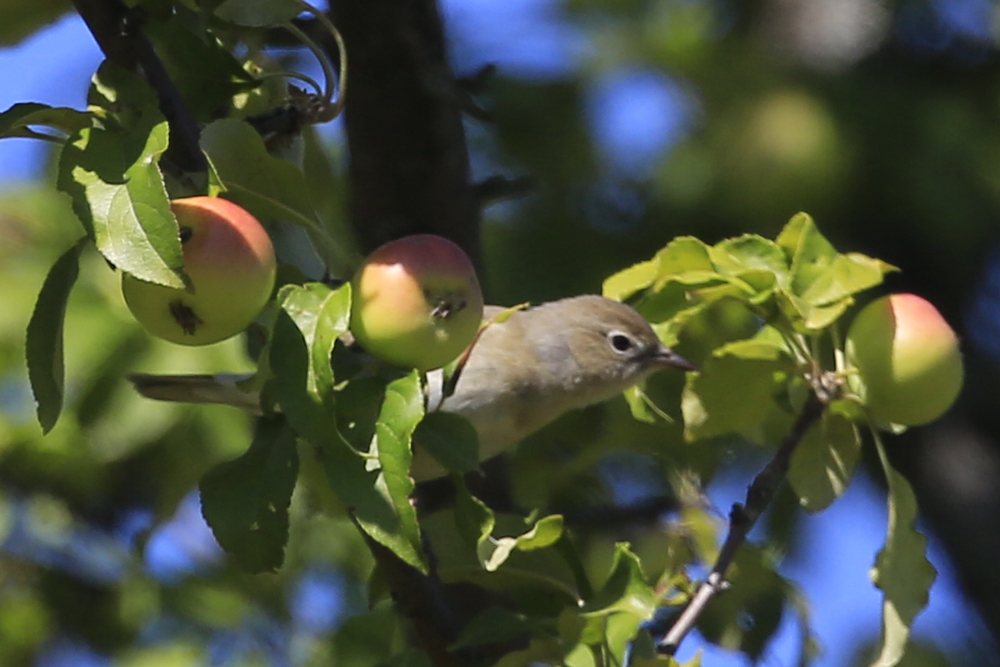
pixel 185 317
pixel 447 305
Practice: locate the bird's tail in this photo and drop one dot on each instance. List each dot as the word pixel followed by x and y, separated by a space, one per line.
pixel 222 388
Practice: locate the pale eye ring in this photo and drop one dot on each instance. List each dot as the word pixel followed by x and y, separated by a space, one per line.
pixel 620 342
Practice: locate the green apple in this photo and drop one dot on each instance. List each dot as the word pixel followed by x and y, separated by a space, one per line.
pixel 230 262
pixel 416 302
pixel 907 358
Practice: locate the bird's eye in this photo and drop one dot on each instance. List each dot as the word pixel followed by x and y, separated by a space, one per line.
pixel 620 342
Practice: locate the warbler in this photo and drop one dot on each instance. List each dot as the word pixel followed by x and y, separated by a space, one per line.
pixel 521 374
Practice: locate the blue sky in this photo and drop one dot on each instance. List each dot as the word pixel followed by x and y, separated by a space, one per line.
pixel 635 114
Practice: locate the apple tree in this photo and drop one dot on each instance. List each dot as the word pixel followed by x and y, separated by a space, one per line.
pixel 527 559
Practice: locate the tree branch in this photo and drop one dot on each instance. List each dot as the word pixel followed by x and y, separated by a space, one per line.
pixel 409 164
pixel 116 30
pixel 742 519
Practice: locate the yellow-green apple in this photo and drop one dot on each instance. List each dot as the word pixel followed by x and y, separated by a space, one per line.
pixel 230 262
pixel 907 357
pixel 416 302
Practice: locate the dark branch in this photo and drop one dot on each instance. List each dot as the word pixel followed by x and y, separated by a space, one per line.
pixel 409 164
pixel 420 599
pixel 742 519
pixel 115 29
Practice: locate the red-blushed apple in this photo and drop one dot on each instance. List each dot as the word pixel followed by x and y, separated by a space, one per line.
pixel 229 259
pixel 416 302
pixel 908 359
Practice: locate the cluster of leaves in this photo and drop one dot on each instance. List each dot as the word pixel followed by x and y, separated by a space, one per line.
pixel 790 293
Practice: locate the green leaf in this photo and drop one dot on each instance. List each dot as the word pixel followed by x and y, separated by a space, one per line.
pixel 206 74
pixel 685 255
pixel 846 275
pixel 902 571
pixel 495 551
pixel 112 177
pixel 370 471
pixel 613 616
pixel 268 187
pixel 822 281
pixel 748 253
pixel 473 518
pixel 259 13
pixel 627 282
pixel 735 390
pixel 323 316
pixel 402 410
pixel 18 120
pixel 642 407
pixel 44 338
pixel 21 18
pixel 245 501
pixel 626 588
pixel 450 439
pixel 368 474
pixel 823 463
pixel 808 251
pixel 311 319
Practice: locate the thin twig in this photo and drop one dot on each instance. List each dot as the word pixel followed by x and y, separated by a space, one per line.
pixel 742 519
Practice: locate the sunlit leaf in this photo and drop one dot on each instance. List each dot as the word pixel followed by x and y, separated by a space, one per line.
pixel 495 551
pixel 114 181
pixel 846 275
pixel 685 255
pixel 747 253
pixel 44 339
pixel 322 315
pixel 402 410
pixel 245 501
pixel 627 282
pixel 311 319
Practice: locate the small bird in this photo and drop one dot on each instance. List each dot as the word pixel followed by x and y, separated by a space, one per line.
pixel 521 374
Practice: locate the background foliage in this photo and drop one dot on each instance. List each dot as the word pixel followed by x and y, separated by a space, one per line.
pixel 881 120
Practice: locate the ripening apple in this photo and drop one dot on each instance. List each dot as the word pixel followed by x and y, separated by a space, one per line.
pixel 907 357
pixel 416 302
pixel 230 261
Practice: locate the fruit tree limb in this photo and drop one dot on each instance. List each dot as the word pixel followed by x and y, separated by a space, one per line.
pixel 742 519
pixel 409 163
pixel 117 32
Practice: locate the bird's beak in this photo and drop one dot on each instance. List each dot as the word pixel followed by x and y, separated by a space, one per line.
pixel 669 359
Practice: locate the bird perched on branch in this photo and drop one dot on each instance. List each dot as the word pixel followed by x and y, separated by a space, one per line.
pixel 521 374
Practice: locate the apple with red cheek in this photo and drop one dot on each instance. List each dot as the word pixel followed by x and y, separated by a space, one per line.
pixel 229 259
pixel 416 302
pixel 907 357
